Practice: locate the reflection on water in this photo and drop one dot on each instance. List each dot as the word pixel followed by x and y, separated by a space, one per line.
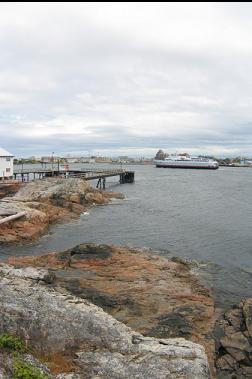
pixel 202 215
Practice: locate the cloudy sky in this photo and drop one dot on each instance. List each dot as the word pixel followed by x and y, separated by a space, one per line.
pixel 125 78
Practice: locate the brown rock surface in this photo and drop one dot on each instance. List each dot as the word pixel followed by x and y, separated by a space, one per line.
pixel 59 327
pixel 46 202
pixel 247 312
pixel 9 189
pixel 152 295
pixel 234 343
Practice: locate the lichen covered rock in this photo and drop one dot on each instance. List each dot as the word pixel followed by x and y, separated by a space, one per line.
pixel 53 321
pixel 153 295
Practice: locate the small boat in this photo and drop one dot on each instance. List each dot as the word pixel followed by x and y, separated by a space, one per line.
pixel 185 161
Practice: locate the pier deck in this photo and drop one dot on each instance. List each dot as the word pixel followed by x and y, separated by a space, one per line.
pixel 100 175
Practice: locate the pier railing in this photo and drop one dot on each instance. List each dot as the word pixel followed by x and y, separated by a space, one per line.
pixel 89 174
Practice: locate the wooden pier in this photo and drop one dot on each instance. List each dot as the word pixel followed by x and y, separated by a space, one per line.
pixel 124 176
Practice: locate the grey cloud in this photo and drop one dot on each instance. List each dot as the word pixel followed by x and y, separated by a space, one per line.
pixel 71 76
pixel 113 140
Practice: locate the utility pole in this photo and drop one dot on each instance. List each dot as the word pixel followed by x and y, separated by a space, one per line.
pixel 52 160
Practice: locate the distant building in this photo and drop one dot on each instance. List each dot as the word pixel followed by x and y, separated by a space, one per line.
pixel 103 160
pixel 46 159
pixel 161 155
pixel 6 164
pixel 49 159
pixel 72 160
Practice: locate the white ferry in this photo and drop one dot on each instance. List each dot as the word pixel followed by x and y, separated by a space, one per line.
pixel 184 161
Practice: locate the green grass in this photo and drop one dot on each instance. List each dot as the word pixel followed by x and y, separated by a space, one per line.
pixel 23 370
pixel 12 343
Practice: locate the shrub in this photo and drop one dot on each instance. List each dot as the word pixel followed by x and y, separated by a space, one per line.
pixel 23 370
pixel 13 343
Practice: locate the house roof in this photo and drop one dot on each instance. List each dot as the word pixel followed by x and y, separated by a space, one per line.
pixel 5 153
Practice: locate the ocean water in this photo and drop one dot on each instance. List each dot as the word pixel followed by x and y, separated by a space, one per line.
pixel 195 214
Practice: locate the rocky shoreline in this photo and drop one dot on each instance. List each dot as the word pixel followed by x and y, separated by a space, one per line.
pixel 233 334
pixel 55 323
pixel 99 311
pixel 158 299
pixel 7 189
pixel 152 295
pixel 46 202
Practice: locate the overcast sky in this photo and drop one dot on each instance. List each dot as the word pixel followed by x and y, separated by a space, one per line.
pixel 125 78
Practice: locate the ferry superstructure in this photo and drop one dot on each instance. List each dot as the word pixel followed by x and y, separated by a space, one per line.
pixel 182 161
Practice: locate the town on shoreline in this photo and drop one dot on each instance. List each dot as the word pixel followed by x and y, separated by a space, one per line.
pixel 57 163
pixel 236 161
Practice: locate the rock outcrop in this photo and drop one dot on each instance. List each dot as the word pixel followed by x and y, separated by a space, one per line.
pixel 157 297
pixel 52 321
pixel 45 202
pixel 234 342
pixel 9 189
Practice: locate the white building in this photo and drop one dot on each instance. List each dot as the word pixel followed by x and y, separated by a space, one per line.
pixel 6 164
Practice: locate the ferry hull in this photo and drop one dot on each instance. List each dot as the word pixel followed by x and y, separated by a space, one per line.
pixel 189 167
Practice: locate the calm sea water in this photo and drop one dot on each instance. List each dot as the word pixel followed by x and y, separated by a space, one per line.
pixel 200 215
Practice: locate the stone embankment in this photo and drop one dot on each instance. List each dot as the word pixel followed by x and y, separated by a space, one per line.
pixel 85 341
pixel 46 202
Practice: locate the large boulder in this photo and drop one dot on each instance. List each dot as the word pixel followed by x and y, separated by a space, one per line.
pixel 53 321
pixel 247 312
pixel 153 295
pixel 234 342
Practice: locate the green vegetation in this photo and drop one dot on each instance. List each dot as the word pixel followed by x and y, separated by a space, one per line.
pixel 13 343
pixel 23 370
